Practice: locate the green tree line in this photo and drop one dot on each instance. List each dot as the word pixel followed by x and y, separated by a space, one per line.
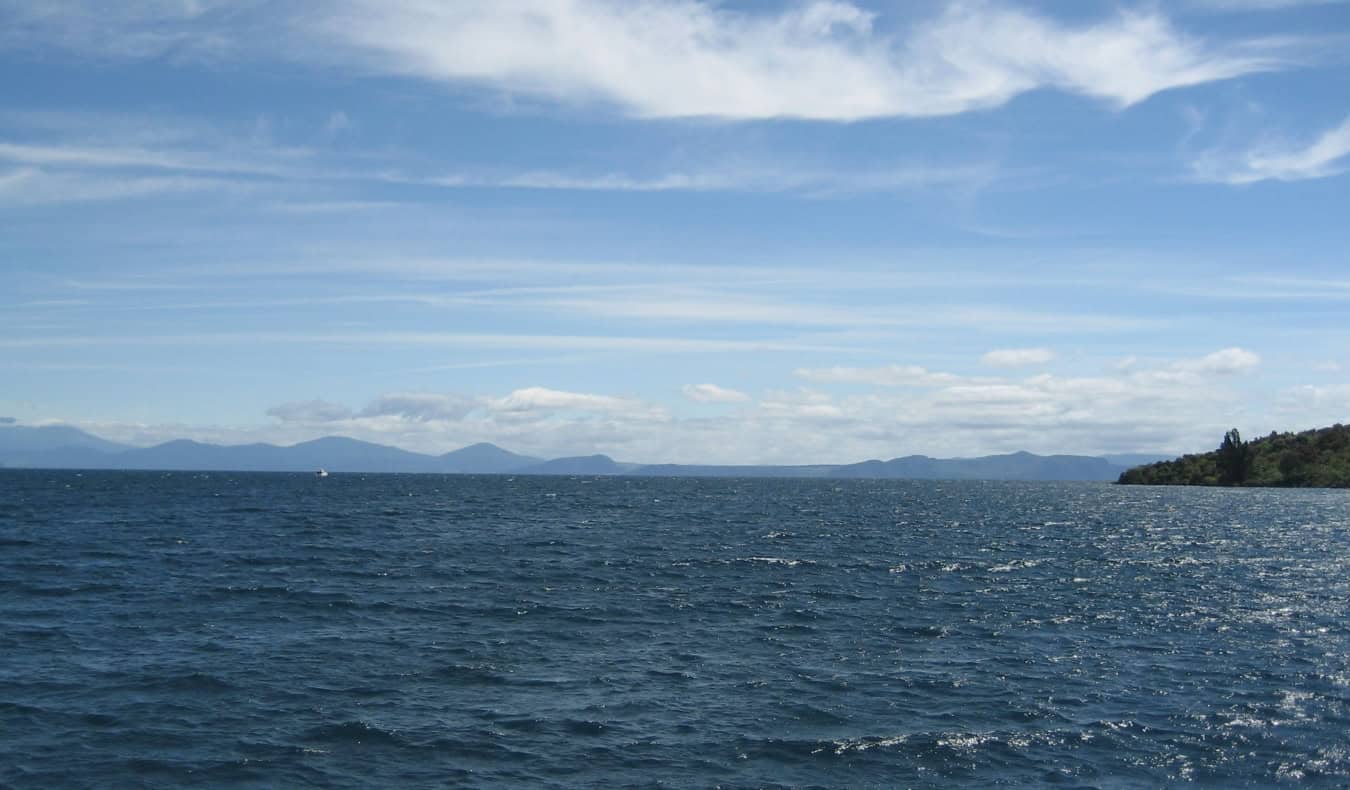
pixel 1317 458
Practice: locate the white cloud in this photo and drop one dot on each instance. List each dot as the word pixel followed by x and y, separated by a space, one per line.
pixel 544 399
pixel 1223 362
pixel 1335 398
pixel 1159 406
pixel 1328 155
pixel 823 60
pixel 1017 357
pixel 711 393
pixel 885 376
pixel 803 404
pixel 1311 406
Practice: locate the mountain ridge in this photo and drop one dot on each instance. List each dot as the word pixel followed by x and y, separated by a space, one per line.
pixel 66 447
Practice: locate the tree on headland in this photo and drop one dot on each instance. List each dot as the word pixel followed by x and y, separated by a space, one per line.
pixel 1235 459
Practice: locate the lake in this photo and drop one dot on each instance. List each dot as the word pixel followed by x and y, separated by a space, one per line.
pixel 169 629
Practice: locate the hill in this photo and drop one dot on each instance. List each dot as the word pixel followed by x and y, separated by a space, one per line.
pixel 1318 458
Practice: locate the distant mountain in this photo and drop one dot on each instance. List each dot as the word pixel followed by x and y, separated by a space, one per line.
pixel 334 453
pixel 45 438
pixel 1015 466
pixel 579 465
pixel 484 458
pixel 53 447
pixel 63 447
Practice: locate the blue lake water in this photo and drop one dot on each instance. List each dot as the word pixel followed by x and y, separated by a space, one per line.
pixel 266 629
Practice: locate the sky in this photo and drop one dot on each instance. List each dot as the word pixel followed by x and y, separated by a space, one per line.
pixel 677 230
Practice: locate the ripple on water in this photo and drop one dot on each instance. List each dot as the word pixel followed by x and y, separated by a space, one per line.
pixel 489 631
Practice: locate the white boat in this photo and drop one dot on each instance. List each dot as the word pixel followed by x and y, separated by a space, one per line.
pixel 321 473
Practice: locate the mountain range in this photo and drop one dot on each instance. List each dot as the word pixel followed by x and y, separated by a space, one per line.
pixel 65 447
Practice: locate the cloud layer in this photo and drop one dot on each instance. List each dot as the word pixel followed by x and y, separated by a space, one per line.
pixel 885 411
pixel 824 60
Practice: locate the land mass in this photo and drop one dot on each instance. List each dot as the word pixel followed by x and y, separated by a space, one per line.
pixel 1319 458
pixel 65 447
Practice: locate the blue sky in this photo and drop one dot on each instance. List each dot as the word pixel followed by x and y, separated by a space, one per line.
pixel 678 230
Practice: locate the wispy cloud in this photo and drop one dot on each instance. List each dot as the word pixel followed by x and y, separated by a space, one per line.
pixel 885 376
pixel 1326 156
pixel 1174 403
pixel 825 60
pixel 780 178
pixel 197 29
pixel 711 393
pixel 124 157
pixel 467 340
pixel 727 306
pixel 1230 6
pixel 90 147
pixel 75 157
pixel 36 186
pixel 1017 357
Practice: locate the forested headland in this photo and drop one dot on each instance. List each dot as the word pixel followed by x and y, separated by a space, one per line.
pixel 1318 458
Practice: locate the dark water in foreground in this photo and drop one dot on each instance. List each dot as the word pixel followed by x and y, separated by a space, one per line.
pixel 285 630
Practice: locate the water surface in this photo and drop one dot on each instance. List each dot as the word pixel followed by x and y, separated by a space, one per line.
pixel 170 629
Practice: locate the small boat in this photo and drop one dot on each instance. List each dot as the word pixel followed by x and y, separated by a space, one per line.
pixel 321 473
